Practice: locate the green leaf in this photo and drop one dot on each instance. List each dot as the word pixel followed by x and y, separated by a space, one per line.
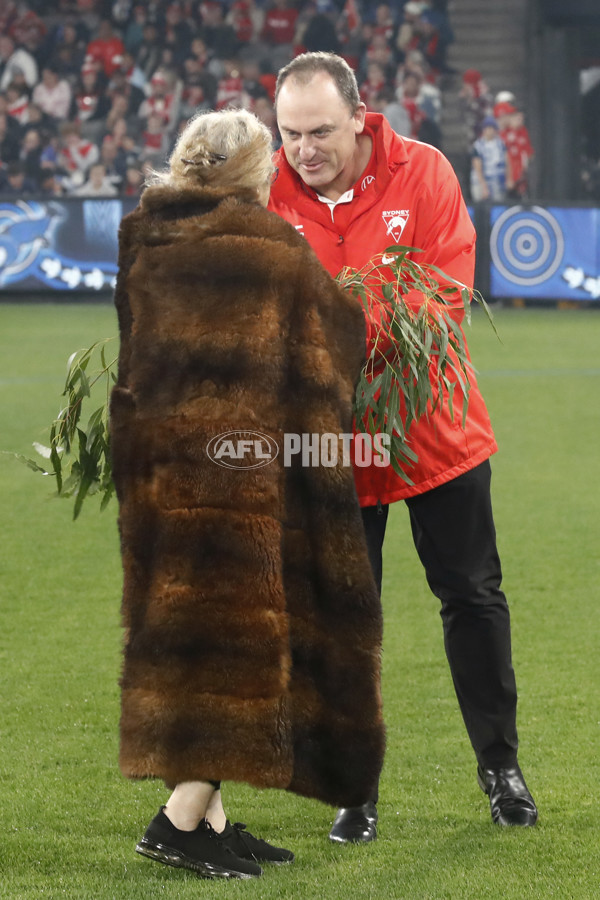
pixel 30 463
pixel 400 250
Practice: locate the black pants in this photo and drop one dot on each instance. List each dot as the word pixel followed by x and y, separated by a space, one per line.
pixel 453 530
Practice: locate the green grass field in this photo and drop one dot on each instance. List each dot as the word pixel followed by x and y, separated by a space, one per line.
pixel 69 821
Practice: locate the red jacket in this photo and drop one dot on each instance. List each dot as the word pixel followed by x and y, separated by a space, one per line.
pixel 408 195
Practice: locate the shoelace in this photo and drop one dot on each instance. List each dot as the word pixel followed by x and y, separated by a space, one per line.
pixel 240 828
pixel 215 834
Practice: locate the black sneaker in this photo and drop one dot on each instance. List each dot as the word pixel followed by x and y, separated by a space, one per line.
pixel 246 846
pixel 202 851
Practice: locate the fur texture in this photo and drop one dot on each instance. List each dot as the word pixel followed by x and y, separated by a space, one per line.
pixel 252 622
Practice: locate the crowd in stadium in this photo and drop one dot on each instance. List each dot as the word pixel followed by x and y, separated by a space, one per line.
pixel 94 92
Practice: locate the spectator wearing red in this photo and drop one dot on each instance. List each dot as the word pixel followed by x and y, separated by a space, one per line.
pixel 519 149
pixel 279 31
pixel 427 39
pixel 409 25
pixel 280 23
pixel 268 79
pixel 162 101
pixel 134 182
pixel 430 96
pixel 89 103
pixel 17 101
pixel 384 22
pixel 502 113
pixel 408 94
pixel 373 85
pixel 350 20
pixel 155 138
pixel 379 51
pixel 75 154
pixel 241 20
pixel 230 90
pixel 106 49
pixel 348 29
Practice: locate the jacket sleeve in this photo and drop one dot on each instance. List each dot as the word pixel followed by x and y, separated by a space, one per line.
pixel 446 234
pixel 445 237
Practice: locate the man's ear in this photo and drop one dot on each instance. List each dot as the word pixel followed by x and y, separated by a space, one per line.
pixel 359 118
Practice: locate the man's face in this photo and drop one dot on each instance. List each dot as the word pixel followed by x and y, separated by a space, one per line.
pixel 319 134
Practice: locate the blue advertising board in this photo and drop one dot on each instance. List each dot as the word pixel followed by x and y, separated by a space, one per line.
pixel 70 245
pixel 60 245
pixel 545 252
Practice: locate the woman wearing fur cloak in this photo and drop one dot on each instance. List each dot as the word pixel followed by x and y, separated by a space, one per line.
pixel 252 622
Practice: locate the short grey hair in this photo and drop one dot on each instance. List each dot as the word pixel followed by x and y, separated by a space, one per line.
pixel 230 148
pixel 302 69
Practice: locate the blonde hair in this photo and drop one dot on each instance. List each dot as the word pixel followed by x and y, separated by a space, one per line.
pixel 228 149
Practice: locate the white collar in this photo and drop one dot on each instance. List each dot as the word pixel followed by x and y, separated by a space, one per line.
pixel 345 198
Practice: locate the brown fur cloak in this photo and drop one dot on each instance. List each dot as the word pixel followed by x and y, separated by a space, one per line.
pixel 252 622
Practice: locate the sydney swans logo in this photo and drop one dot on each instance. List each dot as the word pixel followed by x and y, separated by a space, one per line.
pixel 395 222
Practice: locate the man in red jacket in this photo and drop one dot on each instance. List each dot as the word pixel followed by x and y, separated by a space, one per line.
pixel 353 187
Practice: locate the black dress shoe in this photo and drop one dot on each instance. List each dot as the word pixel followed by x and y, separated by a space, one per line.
pixel 355 824
pixel 510 801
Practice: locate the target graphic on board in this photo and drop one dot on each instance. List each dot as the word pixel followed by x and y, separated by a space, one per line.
pixel 527 245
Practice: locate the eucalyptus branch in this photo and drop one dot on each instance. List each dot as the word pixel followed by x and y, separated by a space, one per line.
pixel 80 456
pixel 418 352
